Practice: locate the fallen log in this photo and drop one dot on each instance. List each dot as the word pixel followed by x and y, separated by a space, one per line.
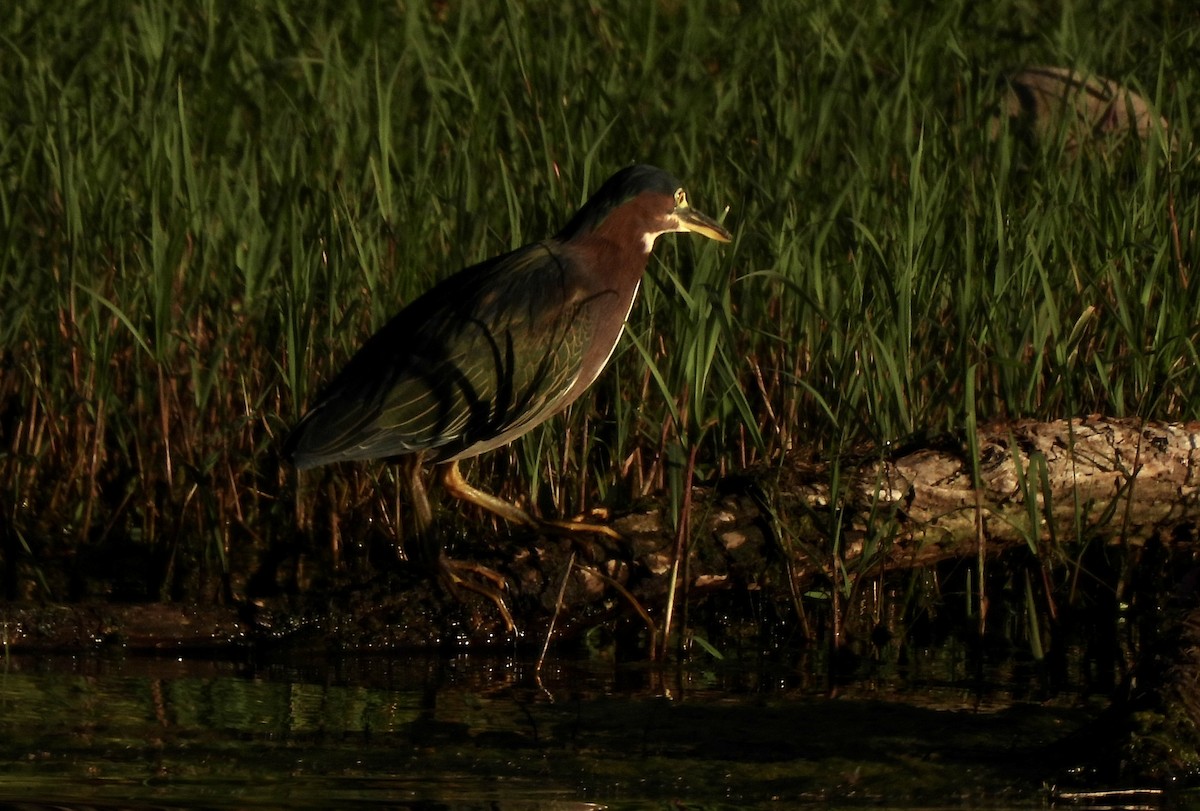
pixel 1039 484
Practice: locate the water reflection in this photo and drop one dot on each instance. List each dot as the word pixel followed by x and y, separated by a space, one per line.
pixel 416 731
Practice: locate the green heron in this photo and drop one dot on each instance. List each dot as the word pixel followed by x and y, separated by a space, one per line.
pixel 498 348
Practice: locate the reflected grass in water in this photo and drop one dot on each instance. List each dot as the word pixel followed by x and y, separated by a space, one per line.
pixel 476 731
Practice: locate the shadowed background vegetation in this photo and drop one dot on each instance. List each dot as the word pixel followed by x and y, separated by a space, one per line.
pixel 204 209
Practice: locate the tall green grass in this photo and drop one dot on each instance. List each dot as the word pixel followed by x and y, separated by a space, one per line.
pixel 205 208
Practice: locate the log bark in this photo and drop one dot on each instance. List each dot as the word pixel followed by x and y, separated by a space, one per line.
pixel 1039 484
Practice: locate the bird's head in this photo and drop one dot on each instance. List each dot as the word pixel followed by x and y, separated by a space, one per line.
pixel 640 203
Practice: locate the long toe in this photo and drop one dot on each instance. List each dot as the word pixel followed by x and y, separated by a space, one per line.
pixel 459 574
pixel 577 527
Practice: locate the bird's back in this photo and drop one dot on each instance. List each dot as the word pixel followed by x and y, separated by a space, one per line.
pixel 473 363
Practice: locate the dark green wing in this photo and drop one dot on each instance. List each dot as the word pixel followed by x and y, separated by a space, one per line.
pixel 475 362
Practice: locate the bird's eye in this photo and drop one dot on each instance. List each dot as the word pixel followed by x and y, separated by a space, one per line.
pixel 680 199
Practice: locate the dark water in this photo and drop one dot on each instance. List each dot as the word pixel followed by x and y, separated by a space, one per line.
pixel 492 732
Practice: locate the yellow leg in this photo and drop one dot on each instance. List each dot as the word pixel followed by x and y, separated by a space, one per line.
pixel 416 489
pixel 456 485
pixel 454 575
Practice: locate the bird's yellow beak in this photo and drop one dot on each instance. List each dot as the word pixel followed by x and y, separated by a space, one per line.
pixel 692 220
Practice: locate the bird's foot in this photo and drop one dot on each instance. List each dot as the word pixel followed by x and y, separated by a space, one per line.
pixel 581 524
pixel 456 574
